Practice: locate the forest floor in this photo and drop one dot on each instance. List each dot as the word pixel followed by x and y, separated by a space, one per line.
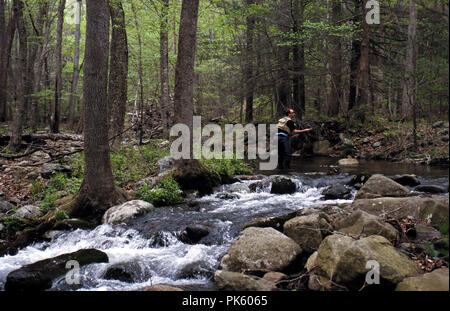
pixel 22 182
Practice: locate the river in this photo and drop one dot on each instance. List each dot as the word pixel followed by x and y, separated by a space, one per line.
pixel 150 246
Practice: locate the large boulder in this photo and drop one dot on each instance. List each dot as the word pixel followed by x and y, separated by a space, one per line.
pixel 337 191
pixel 261 248
pixel 307 231
pixel 193 175
pixel 362 223
pixel 381 186
pixel 40 275
pixel 430 189
pixel 126 211
pixel 49 169
pixel 437 280
pixel 345 261
pixel 234 281
pixel 406 180
pixel 433 209
pixel 129 272
pixel 282 185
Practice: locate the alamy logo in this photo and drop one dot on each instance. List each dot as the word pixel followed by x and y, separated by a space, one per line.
pixel 213 148
pixel 73 275
pixel 373 13
pixel 73 15
pixel 373 276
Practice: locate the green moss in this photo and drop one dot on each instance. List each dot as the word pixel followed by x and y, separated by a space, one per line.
pixel 166 193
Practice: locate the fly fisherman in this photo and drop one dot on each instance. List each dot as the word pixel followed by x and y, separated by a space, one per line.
pixel 286 128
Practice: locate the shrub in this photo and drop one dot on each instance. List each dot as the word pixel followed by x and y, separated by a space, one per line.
pixel 166 193
pixel 61 215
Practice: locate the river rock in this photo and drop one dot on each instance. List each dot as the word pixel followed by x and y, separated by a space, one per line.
pixel 344 261
pixel 73 224
pixel 406 180
pixel 437 280
pixel 128 272
pixel 48 169
pixel 381 186
pixel 193 175
pixel 234 281
pixel 337 191
pixel 260 185
pixel 40 275
pixel 429 189
pixel 437 124
pixel 193 234
pixel 282 185
pixel 127 211
pixel 348 161
pixel 432 209
pixel 260 248
pixel 274 277
pixel 321 147
pixel 307 231
pixel 28 212
pixel 311 263
pixel 362 223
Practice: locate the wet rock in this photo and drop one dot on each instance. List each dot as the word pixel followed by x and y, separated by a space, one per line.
pixel 381 186
pixel 227 196
pixel 432 209
pixel 259 185
pixel 72 224
pixel 346 263
pixel 239 187
pixel 348 161
pixel 359 180
pixel 430 189
pixel 128 272
pixel 127 211
pixel 249 177
pixel 261 248
pixel 193 234
pixel 337 191
pixel 234 281
pixel 282 185
pixel 40 275
pixel 28 212
pixel 307 231
pixel 437 280
pixel 406 180
pixel 48 169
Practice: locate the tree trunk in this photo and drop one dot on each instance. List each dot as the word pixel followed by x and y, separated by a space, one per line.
pixel 164 67
pixel 249 77
pixel 298 61
pixel 336 64
pixel 354 61
pixel 76 66
pixel 140 75
pixel 98 191
pixel 118 72
pixel 409 82
pixel 58 75
pixel 364 70
pixel 16 129
pixel 184 70
pixel 5 56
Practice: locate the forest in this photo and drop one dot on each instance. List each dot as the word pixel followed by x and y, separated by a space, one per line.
pixel 89 93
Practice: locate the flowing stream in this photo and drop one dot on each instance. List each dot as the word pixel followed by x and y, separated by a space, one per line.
pixel 150 245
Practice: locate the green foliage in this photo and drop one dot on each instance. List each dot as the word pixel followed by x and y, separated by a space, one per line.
pixel 61 215
pixel 168 192
pixel 228 168
pixel 13 224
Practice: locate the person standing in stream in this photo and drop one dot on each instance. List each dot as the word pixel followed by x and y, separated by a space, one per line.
pixel 286 128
